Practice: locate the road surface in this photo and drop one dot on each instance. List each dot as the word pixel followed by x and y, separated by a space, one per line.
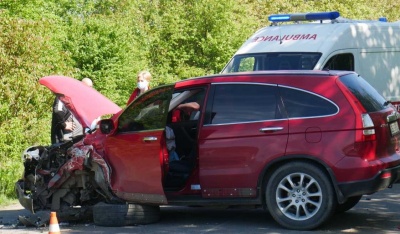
pixel 376 213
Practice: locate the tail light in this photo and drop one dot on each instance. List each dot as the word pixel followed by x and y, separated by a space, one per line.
pixel 368 132
pixel 365 143
pixel 365 137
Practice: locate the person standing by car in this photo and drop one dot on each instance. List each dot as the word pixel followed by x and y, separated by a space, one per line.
pixel 143 84
pixel 88 82
pixel 61 122
pixel 64 125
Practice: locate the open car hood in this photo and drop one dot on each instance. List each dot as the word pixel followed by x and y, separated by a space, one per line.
pixel 85 103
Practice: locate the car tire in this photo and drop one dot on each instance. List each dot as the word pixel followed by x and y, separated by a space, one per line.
pixel 118 215
pixel 350 203
pixel 300 206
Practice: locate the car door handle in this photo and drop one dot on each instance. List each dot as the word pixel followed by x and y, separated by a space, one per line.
pixel 271 129
pixel 150 138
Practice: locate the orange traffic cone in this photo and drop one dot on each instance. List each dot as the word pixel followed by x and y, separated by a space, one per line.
pixel 54 228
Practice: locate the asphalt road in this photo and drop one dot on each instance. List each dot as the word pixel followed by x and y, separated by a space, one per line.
pixel 376 213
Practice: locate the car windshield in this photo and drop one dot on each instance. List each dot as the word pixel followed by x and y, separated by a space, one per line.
pixel 272 61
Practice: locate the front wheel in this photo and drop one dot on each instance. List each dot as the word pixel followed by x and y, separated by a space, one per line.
pixel 300 196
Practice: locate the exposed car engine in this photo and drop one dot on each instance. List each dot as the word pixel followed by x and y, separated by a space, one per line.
pixel 56 179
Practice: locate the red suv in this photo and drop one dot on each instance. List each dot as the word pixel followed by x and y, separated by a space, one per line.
pixel 302 144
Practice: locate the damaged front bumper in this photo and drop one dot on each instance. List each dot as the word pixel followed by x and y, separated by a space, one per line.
pixel 38 219
pixel 24 199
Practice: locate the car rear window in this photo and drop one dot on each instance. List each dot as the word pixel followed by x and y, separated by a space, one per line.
pixel 364 92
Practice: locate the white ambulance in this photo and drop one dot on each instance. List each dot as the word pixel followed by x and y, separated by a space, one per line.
pixel 326 42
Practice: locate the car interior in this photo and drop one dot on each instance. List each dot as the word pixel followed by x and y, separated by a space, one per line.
pixel 183 119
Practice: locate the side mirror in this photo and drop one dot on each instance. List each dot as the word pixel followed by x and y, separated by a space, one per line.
pixel 106 126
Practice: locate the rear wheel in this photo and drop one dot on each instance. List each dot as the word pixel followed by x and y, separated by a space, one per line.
pixel 350 203
pixel 300 196
pixel 117 215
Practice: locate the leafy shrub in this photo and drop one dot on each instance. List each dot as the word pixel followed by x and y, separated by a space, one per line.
pixel 26 54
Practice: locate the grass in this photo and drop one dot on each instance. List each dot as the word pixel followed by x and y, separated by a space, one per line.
pixel 10 172
pixel 5 201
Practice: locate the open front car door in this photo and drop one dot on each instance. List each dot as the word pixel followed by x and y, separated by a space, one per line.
pixel 134 148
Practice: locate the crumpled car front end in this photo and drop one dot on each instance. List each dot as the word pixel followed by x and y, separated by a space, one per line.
pixel 24 199
pixel 69 177
pixel 40 165
pixel 55 178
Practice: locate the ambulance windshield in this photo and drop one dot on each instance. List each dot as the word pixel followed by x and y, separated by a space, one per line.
pixel 272 61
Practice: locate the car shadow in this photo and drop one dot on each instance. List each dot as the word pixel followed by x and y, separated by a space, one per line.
pixel 376 213
pixel 202 219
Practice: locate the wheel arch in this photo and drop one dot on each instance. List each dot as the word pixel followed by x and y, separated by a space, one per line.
pixel 101 176
pixel 273 165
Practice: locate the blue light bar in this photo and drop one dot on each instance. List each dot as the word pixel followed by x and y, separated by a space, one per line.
pixel 304 16
pixel 382 19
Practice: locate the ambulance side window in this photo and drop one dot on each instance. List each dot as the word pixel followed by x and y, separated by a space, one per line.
pixel 343 62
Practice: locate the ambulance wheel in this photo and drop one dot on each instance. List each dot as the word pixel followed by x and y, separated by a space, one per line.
pixel 300 196
pixel 118 215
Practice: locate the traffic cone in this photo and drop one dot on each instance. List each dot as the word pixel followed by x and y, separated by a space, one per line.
pixel 54 228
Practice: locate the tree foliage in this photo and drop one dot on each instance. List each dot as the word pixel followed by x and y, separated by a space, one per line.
pixel 110 41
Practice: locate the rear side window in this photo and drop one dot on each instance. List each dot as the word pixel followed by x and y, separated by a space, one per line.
pixel 364 92
pixel 299 103
pixel 233 103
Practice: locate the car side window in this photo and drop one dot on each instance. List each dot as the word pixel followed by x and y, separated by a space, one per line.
pixel 299 103
pixel 149 111
pixel 233 103
pixel 189 108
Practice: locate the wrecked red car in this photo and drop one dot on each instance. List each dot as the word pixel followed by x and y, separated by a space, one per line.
pixel 302 144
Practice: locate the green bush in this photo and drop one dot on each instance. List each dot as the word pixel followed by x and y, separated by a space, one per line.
pixel 26 54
